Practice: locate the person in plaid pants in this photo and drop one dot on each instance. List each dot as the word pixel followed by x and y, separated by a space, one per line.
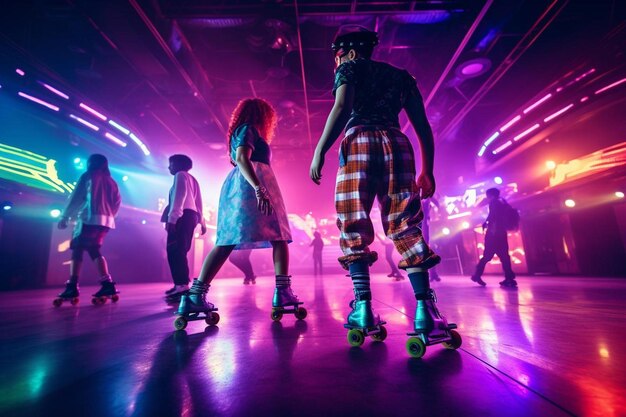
pixel 376 161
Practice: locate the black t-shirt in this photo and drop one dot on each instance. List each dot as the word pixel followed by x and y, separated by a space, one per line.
pixel 380 91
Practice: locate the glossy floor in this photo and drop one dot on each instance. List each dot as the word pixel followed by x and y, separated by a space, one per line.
pixel 554 347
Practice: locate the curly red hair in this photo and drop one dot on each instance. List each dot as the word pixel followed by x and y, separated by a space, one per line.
pixel 256 112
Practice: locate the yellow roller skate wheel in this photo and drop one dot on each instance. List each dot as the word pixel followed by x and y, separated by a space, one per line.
pixel 416 347
pixel 455 340
pixel 356 337
pixel 180 323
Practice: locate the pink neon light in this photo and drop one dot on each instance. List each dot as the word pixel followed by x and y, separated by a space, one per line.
pixel 615 84
pixel 538 102
pixel 526 132
pixel 558 113
pixel 558 90
pixel 92 111
pixel 20 72
pixel 38 101
pixel 115 140
pixel 85 122
pixel 591 71
pixel 55 91
pixel 510 123
pixel 582 100
pixel 502 147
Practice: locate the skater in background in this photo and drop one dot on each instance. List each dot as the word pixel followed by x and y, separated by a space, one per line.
pixel 376 161
pixel 251 211
pixel 241 259
pixel 93 205
pixel 318 247
pixel 181 216
pixel 496 240
pixel 427 205
pixel 389 248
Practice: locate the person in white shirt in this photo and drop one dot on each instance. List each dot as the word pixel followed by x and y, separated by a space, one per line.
pixel 181 216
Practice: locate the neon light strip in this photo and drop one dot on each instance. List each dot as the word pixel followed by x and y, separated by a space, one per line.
pixel 510 123
pixel 502 147
pixel 491 138
pixel 38 101
pixel 119 127
pixel 582 100
pixel 115 140
pixel 85 122
pixel 558 113
pixel 591 71
pixel 482 150
pixel 615 84
pixel 20 72
pixel 526 132
pixel 459 215
pixel 538 102
pixel 92 111
pixel 139 143
pixel 54 90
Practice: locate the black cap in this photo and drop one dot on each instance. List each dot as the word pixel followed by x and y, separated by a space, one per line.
pixel 351 36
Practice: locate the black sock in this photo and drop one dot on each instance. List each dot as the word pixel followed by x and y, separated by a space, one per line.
pixel 420 283
pixel 360 274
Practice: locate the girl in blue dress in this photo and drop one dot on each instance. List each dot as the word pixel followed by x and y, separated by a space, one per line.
pixel 251 211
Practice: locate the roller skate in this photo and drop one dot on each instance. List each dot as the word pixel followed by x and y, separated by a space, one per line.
pixel 509 283
pixel 430 328
pixel 176 294
pixel 362 323
pixel 70 294
pixel 478 280
pixel 286 302
pixel 107 291
pixel 249 280
pixel 194 306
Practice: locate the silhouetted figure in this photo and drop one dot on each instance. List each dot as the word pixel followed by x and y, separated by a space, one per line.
pixel 496 242
pixel 93 204
pixel 181 216
pixel 241 259
pixel 318 247
pixel 389 249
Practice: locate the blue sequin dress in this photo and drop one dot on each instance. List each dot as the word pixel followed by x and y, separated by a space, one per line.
pixel 239 222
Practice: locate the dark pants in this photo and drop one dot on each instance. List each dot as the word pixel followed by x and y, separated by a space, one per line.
pixel 317 263
pixel 178 244
pixel 496 244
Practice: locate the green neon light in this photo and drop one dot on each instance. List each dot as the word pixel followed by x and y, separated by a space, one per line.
pixel 31 169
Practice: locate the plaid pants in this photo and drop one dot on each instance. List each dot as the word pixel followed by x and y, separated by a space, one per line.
pixel 379 164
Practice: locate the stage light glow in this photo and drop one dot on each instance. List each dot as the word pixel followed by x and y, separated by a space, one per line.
pixel 570 203
pixel 125 178
pixel 115 140
pixel 550 164
pixel 20 72
pixel 537 103
pixel 459 215
pixel 77 160
pixel 7 205
pixel 582 100
pixel 54 90
pixel 510 123
pixel 619 194
pixel 85 122
pixel 92 111
pixel 445 231
pixel 465 225
pixel 526 132
pixel 55 213
pixel 38 101
pixel 608 87
pixel 119 127
pixel 558 113
pixel 144 221
pixel 497 180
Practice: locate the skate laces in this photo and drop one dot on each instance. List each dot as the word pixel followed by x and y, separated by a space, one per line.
pixel 199 287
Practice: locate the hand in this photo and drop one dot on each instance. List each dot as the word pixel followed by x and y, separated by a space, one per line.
pixel 203 229
pixel 426 185
pixel 62 223
pixel 316 168
pixel 170 227
pixel 263 200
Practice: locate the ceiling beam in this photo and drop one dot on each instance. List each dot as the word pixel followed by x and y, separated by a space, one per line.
pixel 306 96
